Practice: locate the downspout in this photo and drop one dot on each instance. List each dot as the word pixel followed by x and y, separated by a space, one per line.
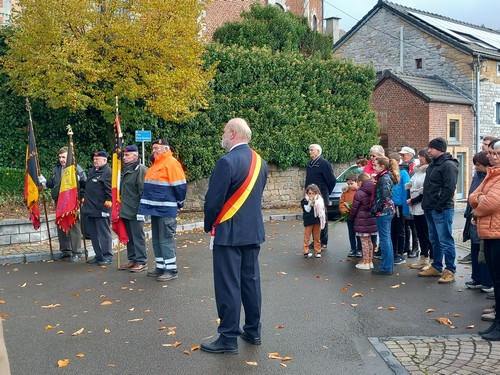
pixel 478 102
pixel 401 49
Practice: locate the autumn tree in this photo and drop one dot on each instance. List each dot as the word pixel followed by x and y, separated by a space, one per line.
pixel 269 26
pixel 81 54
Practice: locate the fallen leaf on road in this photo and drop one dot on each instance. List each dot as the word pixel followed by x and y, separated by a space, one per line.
pixel 357 295
pixel 170 333
pixel 186 352
pixel 287 358
pixel 280 326
pixel 162 328
pixel 470 326
pixel 251 363
pixel 430 310
pixel 51 306
pixel 281 273
pixel 60 332
pixel 318 276
pixel 354 304
pixel 136 320
pixel 391 308
pixel 48 327
pixel 76 294
pixel 79 332
pixel 22 286
pixel 106 303
pixel 106 330
pixel 195 347
pixel 445 321
pixel 274 356
pixel 344 290
pixel 2 301
pixel 283 364
pixel 80 355
pixel 131 309
pixel 456 315
pixel 176 344
pixel 395 286
pixel 380 308
pixel 63 362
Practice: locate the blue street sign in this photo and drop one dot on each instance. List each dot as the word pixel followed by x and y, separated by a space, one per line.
pixel 143 135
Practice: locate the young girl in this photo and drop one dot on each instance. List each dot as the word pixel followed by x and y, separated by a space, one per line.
pixel 364 221
pixel 314 217
pixel 387 175
pixel 347 196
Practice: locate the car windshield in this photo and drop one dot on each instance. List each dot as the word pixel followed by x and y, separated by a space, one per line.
pixel 352 169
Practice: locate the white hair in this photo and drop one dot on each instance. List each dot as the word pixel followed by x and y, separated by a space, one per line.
pixel 378 150
pixel 317 147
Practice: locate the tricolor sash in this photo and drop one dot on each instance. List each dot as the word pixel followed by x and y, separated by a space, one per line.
pixel 234 203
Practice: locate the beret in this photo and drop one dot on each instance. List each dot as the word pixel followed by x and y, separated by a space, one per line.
pixel 160 141
pixel 103 154
pixel 131 148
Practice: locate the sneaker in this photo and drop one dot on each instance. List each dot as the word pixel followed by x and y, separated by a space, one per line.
pixel 157 272
pixel 75 258
pixel 352 254
pixel 488 317
pixel 308 255
pixel 473 285
pixel 63 255
pixel 487 289
pixel 318 255
pixel 139 268
pixel 422 262
pixel 127 266
pixel 359 254
pixel 167 275
pixel 447 277
pixel 363 266
pixel 431 271
pixel 414 253
pixel 489 311
pixel 323 246
pixel 377 254
pixel 466 259
pixel 371 265
pixel 399 260
pixel 490 295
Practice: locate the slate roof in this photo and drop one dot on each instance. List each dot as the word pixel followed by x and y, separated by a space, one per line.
pixel 431 88
pixel 469 38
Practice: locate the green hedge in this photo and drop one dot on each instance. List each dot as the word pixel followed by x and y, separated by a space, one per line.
pixel 11 181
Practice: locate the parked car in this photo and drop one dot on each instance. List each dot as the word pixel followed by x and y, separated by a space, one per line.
pixel 332 209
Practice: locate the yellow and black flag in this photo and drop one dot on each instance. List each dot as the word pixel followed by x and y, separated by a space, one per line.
pixel 67 203
pixel 31 183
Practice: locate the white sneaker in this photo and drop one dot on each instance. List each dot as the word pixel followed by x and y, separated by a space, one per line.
pixel 318 255
pixel 308 255
pixel 371 265
pixel 363 266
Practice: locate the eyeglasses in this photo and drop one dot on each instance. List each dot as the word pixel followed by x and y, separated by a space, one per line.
pixel 373 156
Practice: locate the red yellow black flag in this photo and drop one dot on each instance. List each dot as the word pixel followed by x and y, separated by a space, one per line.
pixel 31 183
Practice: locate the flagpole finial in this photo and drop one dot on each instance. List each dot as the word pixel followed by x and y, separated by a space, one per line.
pixel 70 131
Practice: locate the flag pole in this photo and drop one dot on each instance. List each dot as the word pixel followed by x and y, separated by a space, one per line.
pixel 44 201
pixel 118 261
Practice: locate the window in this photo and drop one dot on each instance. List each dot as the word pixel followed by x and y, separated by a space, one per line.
pixel 418 63
pixel 454 129
pixel 315 23
pixel 497 114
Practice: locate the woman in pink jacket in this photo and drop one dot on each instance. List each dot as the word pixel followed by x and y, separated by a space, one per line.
pixel 485 201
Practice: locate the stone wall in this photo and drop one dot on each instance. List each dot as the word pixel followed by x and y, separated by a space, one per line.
pixel 22 231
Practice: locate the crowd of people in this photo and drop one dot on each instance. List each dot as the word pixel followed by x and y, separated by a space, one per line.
pixel 394 199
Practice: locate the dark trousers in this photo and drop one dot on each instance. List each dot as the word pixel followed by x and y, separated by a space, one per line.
pixel 423 235
pixel 398 232
pixel 410 231
pixel 323 236
pixel 237 282
pixel 71 242
pixel 480 271
pixel 354 240
pixel 136 245
pixel 100 236
pixel 492 255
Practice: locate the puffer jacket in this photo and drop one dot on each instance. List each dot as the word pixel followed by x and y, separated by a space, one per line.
pixel 364 221
pixel 487 212
pixel 416 187
pixel 383 204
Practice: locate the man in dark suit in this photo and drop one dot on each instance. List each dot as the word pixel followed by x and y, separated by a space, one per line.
pixel 233 215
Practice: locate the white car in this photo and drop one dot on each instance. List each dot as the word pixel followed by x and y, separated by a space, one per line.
pixel 332 209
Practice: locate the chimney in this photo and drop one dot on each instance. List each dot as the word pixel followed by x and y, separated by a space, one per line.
pixel 333 28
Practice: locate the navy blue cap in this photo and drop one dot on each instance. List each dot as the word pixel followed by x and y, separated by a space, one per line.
pixel 103 154
pixel 160 141
pixel 131 148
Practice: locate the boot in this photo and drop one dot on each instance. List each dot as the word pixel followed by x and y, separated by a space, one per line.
pixel 494 335
pixel 490 328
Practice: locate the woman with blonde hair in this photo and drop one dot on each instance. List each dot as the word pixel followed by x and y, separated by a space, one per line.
pixel 383 209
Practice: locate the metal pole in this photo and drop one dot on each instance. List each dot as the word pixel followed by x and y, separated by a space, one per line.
pixel 478 105
pixel 143 160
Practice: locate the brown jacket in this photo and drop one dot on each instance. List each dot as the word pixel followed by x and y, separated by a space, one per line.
pixel 347 196
pixel 487 212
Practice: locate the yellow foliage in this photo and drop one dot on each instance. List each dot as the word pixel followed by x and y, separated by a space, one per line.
pixel 81 54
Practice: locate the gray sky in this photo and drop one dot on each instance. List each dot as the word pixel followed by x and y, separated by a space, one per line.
pixel 477 12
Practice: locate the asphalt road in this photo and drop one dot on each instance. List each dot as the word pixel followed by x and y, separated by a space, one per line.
pixel 310 312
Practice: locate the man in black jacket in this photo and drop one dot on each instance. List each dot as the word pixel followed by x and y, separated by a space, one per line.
pixel 438 205
pixel 69 244
pixel 319 172
pixel 97 209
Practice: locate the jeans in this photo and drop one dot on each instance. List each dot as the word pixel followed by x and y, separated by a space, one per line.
pixel 441 238
pixel 162 235
pixel 354 240
pixel 385 243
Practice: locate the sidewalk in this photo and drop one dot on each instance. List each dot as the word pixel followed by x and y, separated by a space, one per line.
pixel 37 252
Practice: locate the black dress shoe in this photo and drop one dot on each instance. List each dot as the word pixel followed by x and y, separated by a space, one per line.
pixel 252 340
pixel 219 347
pixel 378 271
pixel 490 328
pixel 493 335
pixel 104 262
pixel 93 261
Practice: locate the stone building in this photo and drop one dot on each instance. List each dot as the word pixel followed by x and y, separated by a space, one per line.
pixel 219 12
pixel 6 7
pixel 406 40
